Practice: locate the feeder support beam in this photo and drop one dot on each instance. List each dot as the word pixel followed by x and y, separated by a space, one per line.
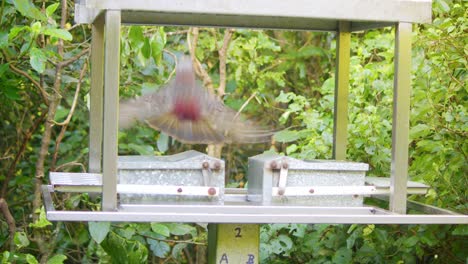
pixel 96 95
pixel 111 112
pixel 340 114
pixel 401 112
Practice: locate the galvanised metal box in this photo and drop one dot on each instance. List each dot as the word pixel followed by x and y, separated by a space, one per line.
pixel 276 179
pixel 186 177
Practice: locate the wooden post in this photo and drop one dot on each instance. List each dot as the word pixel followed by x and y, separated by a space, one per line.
pixel 233 243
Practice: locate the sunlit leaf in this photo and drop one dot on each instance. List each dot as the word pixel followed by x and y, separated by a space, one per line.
pixel 58 33
pixel 160 229
pixel 26 8
pixel 57 259
pixel 21 239
pixel 98 230
pixel 163 142
pixel 38 60
pixel 51 9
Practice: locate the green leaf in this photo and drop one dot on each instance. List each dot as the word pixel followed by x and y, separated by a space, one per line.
pixel 180 229
pixel 343 255
pixel 115 247
pixel 157 44
pixel 3 39
pixel 16 30
pixel 159 248
pixel 146 49
pixel 37 59
pixel 460 230
pixel 5 257
pixel 36 27
pixel 142 150
pixel 3 68
pixel 58 33
pixel 27 9
pixel 99 230
pixel 411 242
pixel 420 130
pixel 122 250
pixel 57 259
pixel 136 36
pixel 30 259
pixel 177 249
pixel 163 142
pixel 11 92
pixel 291 149
pixel 21 239
pixel 160 229
pixel 51 9
pixel 289 135
pixel 42 221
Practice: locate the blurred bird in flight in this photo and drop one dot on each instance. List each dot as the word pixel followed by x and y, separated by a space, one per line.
pixel 188 112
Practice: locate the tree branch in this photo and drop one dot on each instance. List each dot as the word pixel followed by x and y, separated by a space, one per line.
pixel 199 70
pixel 25 141
pixel 44 94
pixel 75 98
pixel 222 62
pixel 65 123
pixel 10 221
pixel 74 58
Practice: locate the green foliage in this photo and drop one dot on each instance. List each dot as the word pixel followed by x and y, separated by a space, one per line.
pixel 284 78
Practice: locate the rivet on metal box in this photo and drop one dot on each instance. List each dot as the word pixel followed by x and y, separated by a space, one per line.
pixel 276 179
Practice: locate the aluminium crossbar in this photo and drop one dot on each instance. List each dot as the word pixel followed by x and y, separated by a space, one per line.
pixel 243 212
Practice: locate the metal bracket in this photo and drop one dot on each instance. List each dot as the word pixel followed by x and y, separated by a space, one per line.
pixel 283 177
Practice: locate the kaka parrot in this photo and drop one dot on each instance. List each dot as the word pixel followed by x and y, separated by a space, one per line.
pixel 190 113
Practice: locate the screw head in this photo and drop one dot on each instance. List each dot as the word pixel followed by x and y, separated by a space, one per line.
pixel 179 190
pixel 285 165
pixel 217 165
pixel 280 192
pixel 311 191
pixel 273 165
pixel 211 191
pixel 205 165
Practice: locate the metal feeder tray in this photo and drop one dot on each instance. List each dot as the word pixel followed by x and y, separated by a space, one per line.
pixel 341 17
pixel 276 179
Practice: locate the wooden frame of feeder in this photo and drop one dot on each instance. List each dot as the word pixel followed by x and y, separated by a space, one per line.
pixel 342 17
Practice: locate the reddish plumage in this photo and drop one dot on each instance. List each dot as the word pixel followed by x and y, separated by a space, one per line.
pixel 187 109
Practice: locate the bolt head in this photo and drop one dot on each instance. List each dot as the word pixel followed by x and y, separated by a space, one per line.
pixel 217 165
pixel 273 165
pixel 211 191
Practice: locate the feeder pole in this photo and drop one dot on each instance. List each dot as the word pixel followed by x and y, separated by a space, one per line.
pixel 96 95
pixel 340 114
pixel 111 110
pixel 401 112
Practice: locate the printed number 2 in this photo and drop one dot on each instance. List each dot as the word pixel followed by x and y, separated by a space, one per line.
pixel 238 232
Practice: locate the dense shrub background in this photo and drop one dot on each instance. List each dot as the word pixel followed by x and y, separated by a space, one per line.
pixel 285 77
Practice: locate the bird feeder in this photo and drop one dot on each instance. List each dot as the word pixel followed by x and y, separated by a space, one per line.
pixel 272 196
pixel 275 179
